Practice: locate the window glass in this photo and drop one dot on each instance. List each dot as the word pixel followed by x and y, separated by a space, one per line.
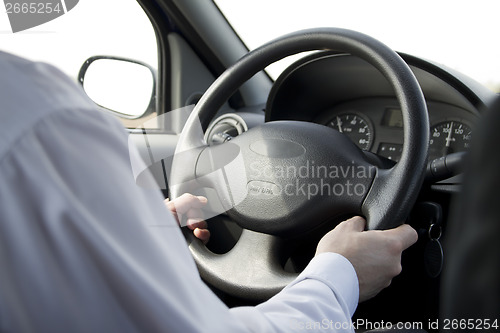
pixel 118 28
pixel 460 34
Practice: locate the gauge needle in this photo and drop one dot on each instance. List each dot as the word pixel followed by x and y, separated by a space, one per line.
pixel 448 139
pixel 339 124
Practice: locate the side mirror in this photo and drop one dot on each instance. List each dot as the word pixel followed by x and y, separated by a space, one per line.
pixel 123 86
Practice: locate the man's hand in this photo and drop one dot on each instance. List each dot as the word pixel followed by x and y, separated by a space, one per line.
pixel 189 206
pixel 375 254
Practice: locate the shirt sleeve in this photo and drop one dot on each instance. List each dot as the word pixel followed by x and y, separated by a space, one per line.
pixel 84 249
pixel 322 298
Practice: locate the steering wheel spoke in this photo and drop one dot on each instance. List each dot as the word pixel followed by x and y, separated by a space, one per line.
pixel 253 268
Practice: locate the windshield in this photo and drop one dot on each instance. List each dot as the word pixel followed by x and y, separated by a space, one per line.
pixel 462 35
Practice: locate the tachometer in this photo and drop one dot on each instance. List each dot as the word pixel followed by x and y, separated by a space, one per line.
pixel 449 137
pixel 355 127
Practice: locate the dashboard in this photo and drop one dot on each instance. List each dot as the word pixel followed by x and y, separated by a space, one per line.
pixel 349 95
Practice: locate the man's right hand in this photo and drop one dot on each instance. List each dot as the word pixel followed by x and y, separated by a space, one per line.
pixel 375 254
pixel 190 206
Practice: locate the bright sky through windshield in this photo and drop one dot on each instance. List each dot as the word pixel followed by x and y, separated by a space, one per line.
pixel 460 34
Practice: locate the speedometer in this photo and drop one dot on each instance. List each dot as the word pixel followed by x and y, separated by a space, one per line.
pixel 449 137
pixel 356 128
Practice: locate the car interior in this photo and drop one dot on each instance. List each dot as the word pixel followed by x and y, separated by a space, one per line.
pixel 350 127
pixel 258 245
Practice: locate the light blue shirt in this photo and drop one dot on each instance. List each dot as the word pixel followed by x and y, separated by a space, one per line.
pixel 84 249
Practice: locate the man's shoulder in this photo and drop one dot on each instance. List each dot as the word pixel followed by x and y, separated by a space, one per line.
pixel 31 92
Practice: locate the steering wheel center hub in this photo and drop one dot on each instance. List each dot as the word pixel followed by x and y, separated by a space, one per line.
pixel 291 176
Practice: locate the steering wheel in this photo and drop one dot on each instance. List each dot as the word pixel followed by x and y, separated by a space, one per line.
pixel 282 179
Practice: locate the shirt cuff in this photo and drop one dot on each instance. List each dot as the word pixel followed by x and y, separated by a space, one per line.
pixel 337 273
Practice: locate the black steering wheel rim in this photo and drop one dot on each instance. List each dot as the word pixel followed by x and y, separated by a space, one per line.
pixel 392 191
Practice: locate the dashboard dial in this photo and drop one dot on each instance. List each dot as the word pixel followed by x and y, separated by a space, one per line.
pixel 448 137
pixel 355 127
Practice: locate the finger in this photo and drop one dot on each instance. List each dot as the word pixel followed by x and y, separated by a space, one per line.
pixel 170 205
pixel 194 213
pixel 356 223
pixel 185 202
pixel 196 224
pixel 195 219
pixel 406 234
pixel 202 234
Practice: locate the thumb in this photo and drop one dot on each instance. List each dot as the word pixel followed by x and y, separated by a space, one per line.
pixel 406 234
pixel 356 223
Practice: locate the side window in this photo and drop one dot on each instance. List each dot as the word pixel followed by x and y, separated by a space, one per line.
pixel 113 30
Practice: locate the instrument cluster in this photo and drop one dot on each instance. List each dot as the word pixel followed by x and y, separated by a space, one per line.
pixel 376 125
